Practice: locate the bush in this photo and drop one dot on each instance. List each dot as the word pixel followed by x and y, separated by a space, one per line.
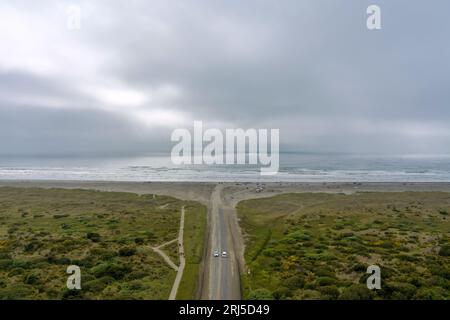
pixel 31 279
pixel 445 251
pixel 399 291
pixel 282 293
pixel 5 255
pixel 329 292
pixel 103 254
pixel 127 251
pixel 98 285
pixel 297 236
pixel 58 260
pixel 406 257
pixel 18 291
pixel 136 285
pixel 433 293
pixel 309 295
pixel 294 282
pixel 115 270
pixel 136 275
pixel 326 281
pixel 356 292
pixel 359 267
pixel 59 216
pixel 72 294
pixel 260 294
pixel 93 236
pixel 5 264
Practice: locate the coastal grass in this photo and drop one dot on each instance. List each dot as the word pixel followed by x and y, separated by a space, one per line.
pixel 319 245
pixel 172 251
pixel 194 233
pixel 109 235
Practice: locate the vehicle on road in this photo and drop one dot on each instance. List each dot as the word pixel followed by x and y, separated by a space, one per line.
pixel 224 254
pixel 216 253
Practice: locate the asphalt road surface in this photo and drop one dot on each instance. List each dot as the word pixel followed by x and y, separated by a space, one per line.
pixel 223 281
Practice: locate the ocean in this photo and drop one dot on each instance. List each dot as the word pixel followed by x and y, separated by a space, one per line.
pixel 294 167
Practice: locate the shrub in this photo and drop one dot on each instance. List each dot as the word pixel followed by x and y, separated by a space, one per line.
pixel 115 270
pixel 136 275
pixel 309 295
pixel 98 285
pixel 282 293
pixel 260 294
pixel 72 294
pixel 104 254
pixel 58 260
pixel 127 251
pixel 329 292
pixel 5 264
pixel 326 281
pixel 5 255
pixel 31 279
pixel 18 291
pixel 31 246
pixel 399 291
pixel 356 292
pixel 445 251
pixel 406 257
pixel 297 236
pixel 359 267
pixel 59 216
pixel 93 236
pixel 294 282
pixel 433 293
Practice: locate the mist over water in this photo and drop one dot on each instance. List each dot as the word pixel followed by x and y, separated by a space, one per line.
pixel 293 168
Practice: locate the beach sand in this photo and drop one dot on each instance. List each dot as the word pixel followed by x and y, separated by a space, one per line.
pixel 233 192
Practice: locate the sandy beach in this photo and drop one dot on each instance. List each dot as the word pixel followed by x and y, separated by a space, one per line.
pixel 234 192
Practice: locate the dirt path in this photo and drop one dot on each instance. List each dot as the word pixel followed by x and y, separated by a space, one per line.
pixel 167 243
pixel 165 257
pixel 176 283
pixel 180 268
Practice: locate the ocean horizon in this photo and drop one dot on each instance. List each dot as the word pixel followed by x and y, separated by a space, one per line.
pixel 294 167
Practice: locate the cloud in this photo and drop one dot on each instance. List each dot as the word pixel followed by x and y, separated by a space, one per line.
pixel 311 69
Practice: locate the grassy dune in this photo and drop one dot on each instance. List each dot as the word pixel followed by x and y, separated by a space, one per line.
pixel 107 234
pixel 318 246
pixel 194 232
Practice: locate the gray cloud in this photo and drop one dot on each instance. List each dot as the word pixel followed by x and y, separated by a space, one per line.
pixel 26 130
pixel 311 69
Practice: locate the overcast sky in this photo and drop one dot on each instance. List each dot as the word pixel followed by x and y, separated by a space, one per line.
pixel 138 69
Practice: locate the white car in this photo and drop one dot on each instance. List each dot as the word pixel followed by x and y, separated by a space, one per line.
pixel 224 254
pixel 216 253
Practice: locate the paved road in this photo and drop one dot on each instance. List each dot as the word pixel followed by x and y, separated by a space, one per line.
pixel 222 281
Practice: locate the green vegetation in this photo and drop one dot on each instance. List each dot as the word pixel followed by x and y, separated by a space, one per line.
pixel 107 234
pixel 194 231
pixel 318 246
pixel 171 250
